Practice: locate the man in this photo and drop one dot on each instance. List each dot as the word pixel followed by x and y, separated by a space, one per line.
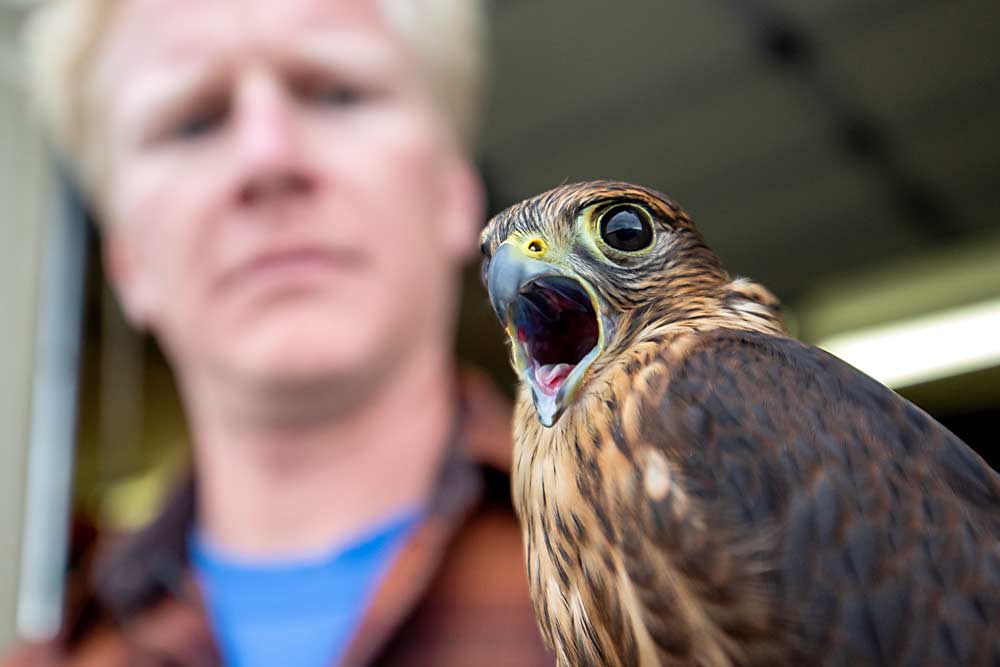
pixel 286 202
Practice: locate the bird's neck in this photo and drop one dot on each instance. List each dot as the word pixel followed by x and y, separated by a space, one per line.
pixel 735 304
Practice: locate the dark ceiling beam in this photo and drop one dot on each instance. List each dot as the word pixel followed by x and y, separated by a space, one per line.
pixel 781 41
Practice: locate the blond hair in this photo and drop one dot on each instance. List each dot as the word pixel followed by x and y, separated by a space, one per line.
pixel 62 38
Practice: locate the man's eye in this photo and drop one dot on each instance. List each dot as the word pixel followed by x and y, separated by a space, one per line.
pixel 340 95
pixel 198 124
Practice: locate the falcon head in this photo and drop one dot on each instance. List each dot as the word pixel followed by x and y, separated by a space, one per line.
pixel 578 274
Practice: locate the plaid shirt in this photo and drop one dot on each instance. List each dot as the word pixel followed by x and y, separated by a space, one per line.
pixel 456 595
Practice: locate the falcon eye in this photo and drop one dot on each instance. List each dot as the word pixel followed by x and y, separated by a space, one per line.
pixel 626 228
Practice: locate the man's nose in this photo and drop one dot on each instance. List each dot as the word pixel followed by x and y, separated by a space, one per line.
pixel 273 163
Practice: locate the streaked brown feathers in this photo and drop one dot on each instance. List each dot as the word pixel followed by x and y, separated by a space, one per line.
pixel 720 494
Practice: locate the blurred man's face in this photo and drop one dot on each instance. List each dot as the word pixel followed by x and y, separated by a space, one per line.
pixel 285 201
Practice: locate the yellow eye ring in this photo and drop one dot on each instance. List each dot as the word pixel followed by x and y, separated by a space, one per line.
pixel 535 247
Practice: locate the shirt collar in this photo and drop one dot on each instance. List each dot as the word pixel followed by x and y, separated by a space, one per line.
pixel 143 571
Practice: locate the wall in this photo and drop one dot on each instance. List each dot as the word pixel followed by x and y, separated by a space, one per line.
pixel 22 211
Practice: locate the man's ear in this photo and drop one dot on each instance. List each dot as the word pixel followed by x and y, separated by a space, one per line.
pixel 124 270
pixel 465 209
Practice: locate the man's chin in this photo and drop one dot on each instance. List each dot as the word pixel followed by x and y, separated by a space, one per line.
pixel 299 358
pixel 302 363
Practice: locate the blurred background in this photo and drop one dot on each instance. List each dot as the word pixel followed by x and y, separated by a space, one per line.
pixel 845 153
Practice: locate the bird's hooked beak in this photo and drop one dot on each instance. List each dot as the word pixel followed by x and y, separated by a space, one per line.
pixel 553 321
pixel 509 270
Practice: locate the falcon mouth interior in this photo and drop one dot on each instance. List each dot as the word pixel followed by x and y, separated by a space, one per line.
pixel 556 327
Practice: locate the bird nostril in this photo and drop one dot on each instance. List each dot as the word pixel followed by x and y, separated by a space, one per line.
pixel 536 247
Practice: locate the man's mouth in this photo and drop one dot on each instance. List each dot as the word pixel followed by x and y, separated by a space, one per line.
pixel 292 264
pixel 557 334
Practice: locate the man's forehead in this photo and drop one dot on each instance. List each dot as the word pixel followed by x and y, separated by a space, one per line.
pixel 147 31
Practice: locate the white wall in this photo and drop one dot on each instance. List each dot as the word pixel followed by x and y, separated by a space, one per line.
pixel 23 184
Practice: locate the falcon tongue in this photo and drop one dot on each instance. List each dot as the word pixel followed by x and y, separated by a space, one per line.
pixel 549 377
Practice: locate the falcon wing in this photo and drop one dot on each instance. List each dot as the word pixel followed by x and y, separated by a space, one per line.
pixel 808 502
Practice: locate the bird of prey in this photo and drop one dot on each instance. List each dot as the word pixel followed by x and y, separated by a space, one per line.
pixel 696 487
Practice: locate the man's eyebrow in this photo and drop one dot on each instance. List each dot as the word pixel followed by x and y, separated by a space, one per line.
pixel 146 98
pixel 346 50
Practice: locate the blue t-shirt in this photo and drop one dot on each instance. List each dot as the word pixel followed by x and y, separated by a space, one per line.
pixel 296 612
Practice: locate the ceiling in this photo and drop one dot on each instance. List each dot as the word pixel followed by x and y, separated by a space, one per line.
pixel 808 139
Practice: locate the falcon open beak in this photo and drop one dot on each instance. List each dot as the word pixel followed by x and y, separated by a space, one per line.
pixel 553 323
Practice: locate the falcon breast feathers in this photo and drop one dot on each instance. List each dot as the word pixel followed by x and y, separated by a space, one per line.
pixel 695 487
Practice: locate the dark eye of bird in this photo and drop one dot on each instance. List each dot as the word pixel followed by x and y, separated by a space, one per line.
pixel 627 229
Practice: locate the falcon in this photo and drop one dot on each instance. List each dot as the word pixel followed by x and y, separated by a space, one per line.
pixel 696 487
